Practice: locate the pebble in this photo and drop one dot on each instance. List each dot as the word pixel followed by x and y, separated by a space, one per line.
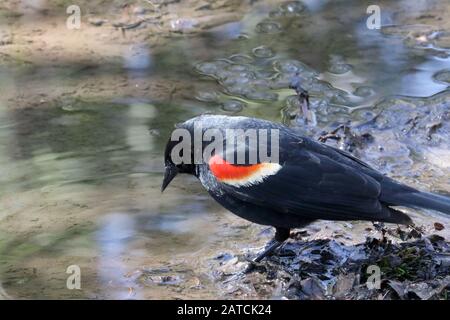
pixel 269 27
pixel 233 105
pixel 263 52
pixel 443 76
pixel 364 91
pixel 96 21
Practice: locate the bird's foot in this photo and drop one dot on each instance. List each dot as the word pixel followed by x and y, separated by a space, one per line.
pixel 250 267
pixel 268 250
pixel 380 227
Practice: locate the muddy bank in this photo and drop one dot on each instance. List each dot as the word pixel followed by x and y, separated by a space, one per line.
pixel 328 269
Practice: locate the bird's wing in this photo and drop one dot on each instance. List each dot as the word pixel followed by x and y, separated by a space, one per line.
pixel 314 186
pixel 350 156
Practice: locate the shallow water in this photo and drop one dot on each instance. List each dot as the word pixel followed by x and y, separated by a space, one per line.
pixel 80 176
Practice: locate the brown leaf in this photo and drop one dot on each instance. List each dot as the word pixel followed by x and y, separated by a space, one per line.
pixel 438 226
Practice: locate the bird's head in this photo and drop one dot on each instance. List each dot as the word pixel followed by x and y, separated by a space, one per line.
pixel 174 165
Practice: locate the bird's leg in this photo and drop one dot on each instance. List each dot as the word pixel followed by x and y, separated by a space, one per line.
pixel 281 235
pixel 380 227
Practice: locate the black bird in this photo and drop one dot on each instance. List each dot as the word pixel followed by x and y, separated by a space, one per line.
pixel 310 181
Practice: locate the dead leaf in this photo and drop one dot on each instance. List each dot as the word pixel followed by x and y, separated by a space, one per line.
pixel 438 226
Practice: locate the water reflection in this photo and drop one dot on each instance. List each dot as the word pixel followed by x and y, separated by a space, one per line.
pixel 137 57
pixel 421 79
pixel 228 31
pixel 112 238
pixel 139 138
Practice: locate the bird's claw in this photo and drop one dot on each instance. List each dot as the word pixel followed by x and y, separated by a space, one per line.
pixel 252 264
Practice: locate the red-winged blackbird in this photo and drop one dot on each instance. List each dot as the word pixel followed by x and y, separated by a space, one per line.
pixel 310 181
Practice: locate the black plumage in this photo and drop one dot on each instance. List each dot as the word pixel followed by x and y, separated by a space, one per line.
pixel 315 181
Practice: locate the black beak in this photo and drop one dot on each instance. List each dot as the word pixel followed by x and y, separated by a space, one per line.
pixel 169 174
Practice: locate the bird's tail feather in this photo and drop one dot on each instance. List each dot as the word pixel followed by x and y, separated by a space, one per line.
pixel 425 200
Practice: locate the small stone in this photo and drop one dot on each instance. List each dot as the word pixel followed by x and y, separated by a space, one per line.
pixel 268 27
pixel 233 105
pixel 363 91
pixel 263 52
pixel 443 76
pixel 340 68
pixel 183 25
pixel 96 21
pixel 207 96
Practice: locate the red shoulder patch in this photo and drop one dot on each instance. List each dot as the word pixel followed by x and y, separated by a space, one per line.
pixel 224 170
